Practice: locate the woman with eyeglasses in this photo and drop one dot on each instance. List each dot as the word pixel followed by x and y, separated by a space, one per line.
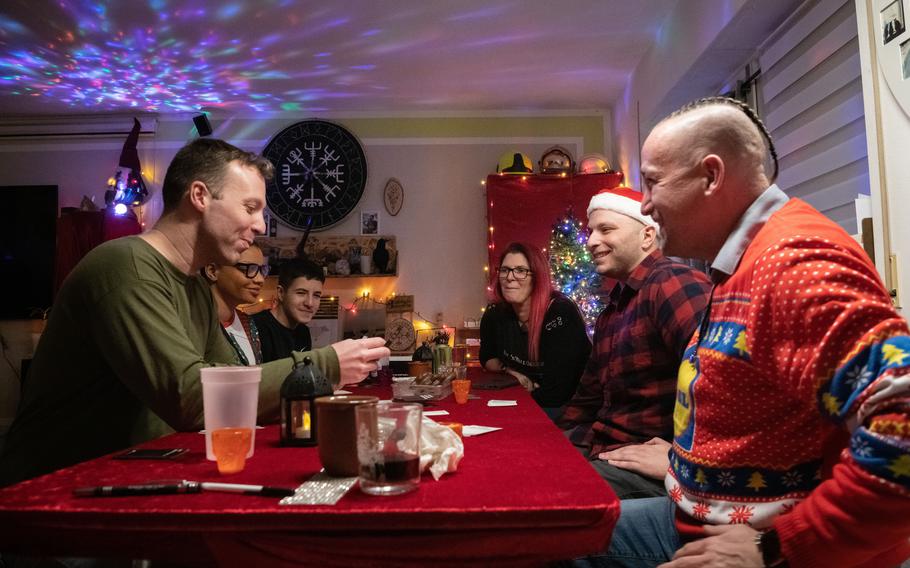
pixel 236 285
pixel 533 332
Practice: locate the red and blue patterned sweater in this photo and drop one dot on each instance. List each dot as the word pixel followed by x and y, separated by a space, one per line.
pixel 793 401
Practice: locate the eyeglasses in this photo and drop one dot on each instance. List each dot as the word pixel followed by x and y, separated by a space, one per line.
pixel 251 270
pixel 518 273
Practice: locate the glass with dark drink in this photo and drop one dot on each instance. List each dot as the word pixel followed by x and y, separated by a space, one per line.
pixel 388 447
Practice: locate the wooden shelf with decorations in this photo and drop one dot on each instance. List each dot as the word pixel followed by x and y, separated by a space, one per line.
pixel 342 256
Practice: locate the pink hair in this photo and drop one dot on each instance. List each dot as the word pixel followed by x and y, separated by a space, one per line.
pixel 541 289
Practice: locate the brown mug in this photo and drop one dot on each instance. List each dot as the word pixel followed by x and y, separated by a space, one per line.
pixel 337 433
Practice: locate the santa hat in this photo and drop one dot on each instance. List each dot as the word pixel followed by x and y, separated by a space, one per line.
pixel 622 200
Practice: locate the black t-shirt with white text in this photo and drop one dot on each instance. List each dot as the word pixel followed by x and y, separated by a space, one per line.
pixel 563 353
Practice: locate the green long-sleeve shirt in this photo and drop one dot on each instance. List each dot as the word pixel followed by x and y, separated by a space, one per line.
pixel 119 362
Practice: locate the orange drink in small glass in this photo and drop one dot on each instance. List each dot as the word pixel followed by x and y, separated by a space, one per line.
pixel 457 427
pixel 230 446
pixel 461 388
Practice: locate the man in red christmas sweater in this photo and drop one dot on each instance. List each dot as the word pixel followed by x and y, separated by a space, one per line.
pixel 792 421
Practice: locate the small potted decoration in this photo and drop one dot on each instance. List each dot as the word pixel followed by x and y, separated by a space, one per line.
pixel 442 353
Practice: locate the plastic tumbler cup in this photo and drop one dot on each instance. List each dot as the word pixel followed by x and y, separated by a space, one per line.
pixel 459 354
pixel 388 447
pixel 230 446
pixel 230 398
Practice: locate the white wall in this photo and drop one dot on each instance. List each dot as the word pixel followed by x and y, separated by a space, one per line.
pixel 888 137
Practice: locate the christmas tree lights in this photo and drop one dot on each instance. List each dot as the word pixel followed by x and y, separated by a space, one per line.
pixel 572 269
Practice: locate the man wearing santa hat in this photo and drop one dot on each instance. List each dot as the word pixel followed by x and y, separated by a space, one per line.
pixel 622 413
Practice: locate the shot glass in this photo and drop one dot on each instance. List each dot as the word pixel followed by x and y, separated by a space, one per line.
pixel 388 447
pixel 461 388
pixel 457 427
pixel 230 446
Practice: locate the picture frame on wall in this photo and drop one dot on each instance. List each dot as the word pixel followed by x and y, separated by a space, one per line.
pixel 369 222
pixel 393 196
pixel 892 21
pixel 905 60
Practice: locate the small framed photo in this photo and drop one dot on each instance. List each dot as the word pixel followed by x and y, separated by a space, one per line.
pixel 369 222
pixel 905 59
pixel 892 21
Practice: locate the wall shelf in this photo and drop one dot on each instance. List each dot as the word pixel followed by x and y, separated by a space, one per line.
pixel 328 250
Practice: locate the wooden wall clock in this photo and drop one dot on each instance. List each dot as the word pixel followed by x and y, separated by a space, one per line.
pixel 400 335
pixel 320 172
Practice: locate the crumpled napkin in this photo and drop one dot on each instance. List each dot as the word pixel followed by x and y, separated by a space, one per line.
pixel 440 448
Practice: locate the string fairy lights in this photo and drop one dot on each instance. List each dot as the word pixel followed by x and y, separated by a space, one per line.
pixel 571 267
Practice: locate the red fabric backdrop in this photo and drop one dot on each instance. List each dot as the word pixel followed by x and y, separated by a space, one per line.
pixel 525 208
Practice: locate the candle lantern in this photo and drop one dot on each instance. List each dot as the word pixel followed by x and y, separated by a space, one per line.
pixel 299 390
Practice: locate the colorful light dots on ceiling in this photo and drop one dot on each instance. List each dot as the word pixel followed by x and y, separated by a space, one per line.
pixel 229 11
pixel 167 55
pixel 65 56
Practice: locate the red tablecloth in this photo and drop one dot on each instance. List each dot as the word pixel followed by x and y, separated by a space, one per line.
pixel 522 496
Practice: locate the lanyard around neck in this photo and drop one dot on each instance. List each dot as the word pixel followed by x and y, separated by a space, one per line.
pixel 240 354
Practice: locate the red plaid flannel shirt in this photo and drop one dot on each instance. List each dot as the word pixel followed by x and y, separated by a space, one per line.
pixel 627 392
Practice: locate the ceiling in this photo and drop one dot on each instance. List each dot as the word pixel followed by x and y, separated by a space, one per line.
pixel 165 56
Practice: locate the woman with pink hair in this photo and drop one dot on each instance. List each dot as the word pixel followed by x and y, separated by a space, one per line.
pixel 531 331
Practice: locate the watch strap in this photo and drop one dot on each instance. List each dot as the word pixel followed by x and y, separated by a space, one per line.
pixel 768 543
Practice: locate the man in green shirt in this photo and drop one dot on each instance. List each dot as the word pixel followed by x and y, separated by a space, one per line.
pixel 119 361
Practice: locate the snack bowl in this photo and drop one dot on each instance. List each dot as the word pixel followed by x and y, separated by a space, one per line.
pixel 412 391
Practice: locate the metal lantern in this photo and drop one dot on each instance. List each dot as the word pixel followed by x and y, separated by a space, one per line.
pixel 299 390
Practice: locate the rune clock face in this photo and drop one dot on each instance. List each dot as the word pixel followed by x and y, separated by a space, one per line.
pixel 320 172
pixel 400 334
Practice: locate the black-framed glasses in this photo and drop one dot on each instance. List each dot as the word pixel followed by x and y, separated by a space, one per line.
pixel 518 273
pixel 251 270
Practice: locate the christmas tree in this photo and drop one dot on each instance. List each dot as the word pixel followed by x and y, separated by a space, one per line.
pixel 573 271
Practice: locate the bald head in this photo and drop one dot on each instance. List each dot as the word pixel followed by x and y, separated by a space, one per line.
pixel 702 167
pixel 727 129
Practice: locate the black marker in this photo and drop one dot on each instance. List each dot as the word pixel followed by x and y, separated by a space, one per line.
pixel 180 487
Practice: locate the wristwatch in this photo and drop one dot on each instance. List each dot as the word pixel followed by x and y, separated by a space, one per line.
pixel 768 544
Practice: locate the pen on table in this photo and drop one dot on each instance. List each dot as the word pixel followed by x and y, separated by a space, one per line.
pixel 180 487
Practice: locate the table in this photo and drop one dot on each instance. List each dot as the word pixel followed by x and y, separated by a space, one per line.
pixel 522 496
